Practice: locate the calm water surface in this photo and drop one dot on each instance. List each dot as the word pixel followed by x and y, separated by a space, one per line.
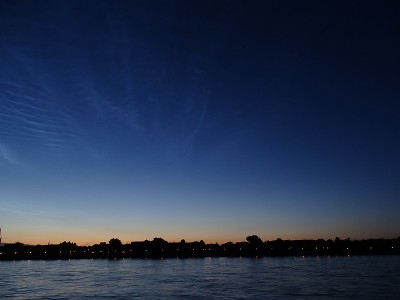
pixel 363 277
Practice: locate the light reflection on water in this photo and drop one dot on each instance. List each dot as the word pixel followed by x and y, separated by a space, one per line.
pixel 368 277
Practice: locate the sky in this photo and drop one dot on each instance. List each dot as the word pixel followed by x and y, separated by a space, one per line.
pixel 201 120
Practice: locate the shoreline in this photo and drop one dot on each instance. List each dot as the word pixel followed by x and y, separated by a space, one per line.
pixel 160 249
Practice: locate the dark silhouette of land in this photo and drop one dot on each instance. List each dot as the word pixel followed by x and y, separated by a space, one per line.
pixel 159 248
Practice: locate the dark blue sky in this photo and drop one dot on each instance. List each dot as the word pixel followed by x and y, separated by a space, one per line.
pixel 199 119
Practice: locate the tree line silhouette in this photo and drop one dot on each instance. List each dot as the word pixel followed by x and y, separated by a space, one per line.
pixel 160 248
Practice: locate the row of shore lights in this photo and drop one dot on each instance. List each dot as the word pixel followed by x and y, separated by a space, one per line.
pixel 162 250
pixel 92 252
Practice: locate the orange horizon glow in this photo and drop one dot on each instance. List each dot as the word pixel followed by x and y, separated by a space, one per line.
pixel 92 240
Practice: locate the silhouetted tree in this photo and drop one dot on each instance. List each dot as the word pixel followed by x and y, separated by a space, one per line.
pixel 115 244
pixel 67 246
pixel 159 241
pixel 254 240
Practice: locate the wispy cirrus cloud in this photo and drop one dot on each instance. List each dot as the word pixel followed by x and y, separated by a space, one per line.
pixel 9 157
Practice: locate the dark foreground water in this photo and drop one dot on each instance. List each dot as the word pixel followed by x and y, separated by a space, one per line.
pixel 363 277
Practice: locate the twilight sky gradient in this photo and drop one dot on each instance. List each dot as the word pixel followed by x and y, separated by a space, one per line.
pixel 204 120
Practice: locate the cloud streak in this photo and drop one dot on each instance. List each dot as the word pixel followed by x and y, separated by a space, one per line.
pixel 9 156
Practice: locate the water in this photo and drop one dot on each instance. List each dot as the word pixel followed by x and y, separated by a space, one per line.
pixel 363 277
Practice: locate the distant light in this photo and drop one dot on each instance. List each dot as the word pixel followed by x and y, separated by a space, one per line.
pixel 30 252
pixel 347 248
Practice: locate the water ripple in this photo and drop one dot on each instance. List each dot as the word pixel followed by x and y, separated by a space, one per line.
pixel 217 278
